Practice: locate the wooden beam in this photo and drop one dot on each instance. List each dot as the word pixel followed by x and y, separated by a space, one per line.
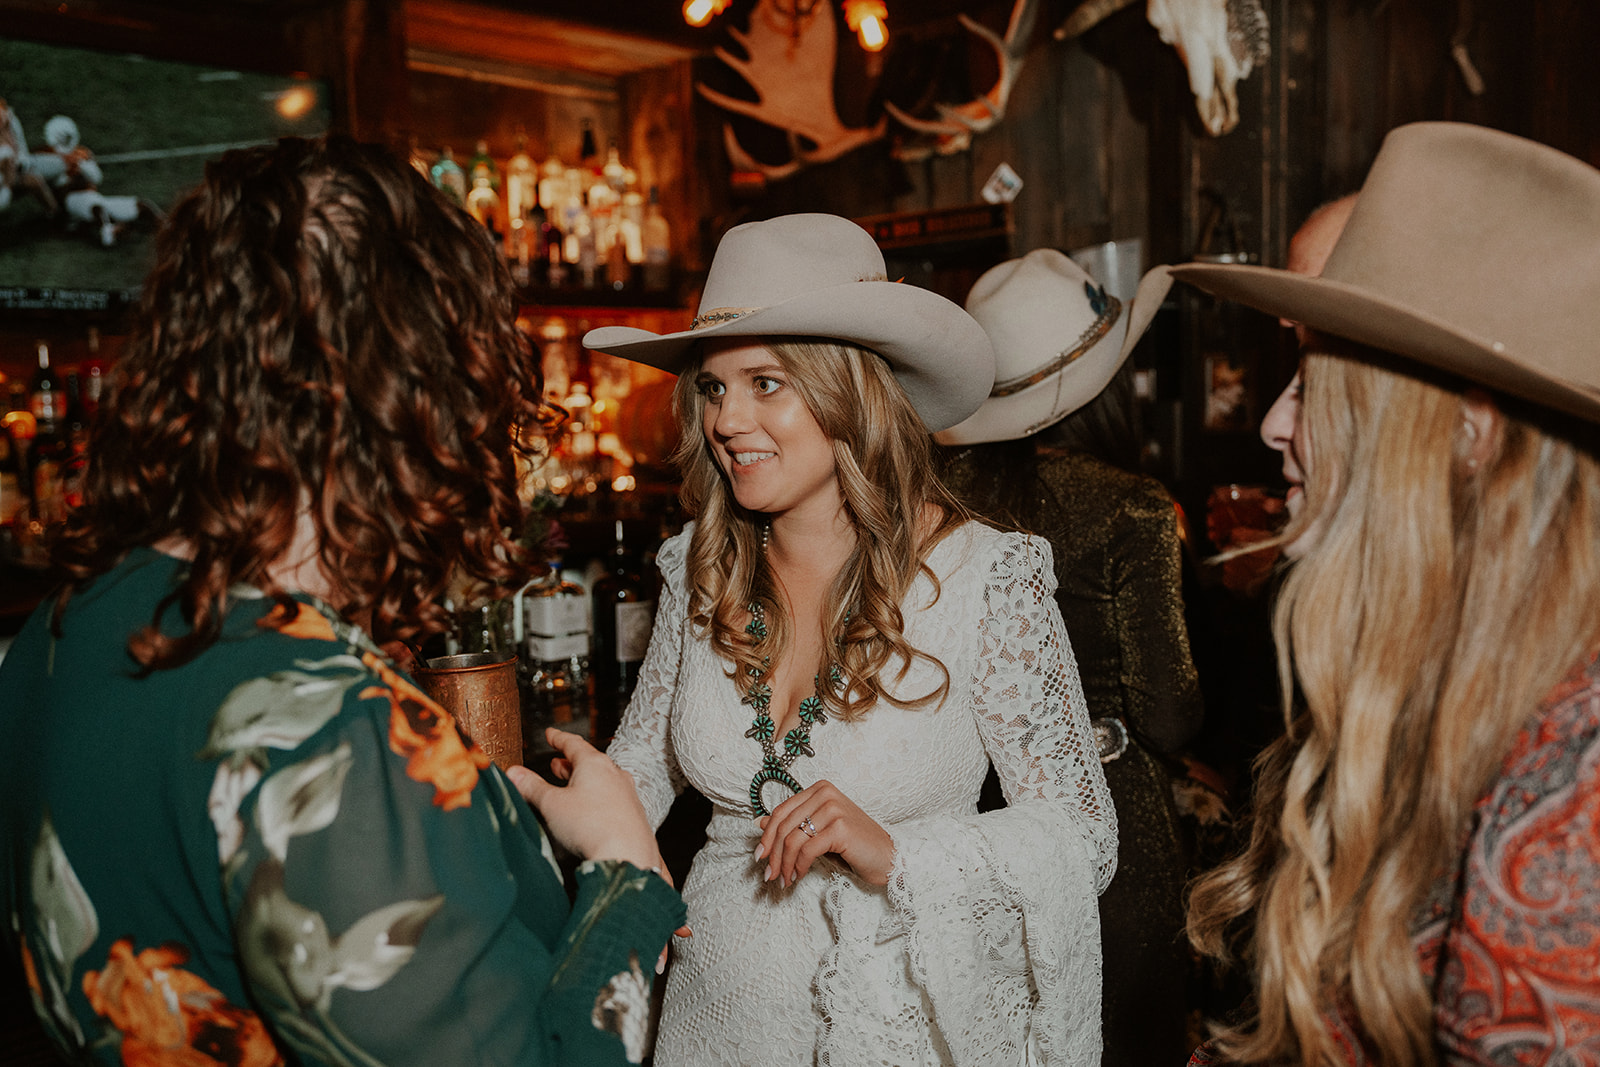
pixel 496 37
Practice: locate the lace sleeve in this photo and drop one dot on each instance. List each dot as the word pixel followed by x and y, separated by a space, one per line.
pixel 643 745
pixel 1000 909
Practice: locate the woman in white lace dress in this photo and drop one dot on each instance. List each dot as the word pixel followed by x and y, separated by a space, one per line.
pixel 839 653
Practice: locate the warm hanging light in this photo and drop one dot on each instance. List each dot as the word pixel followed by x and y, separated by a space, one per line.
pixel 866 18
pixel 700 12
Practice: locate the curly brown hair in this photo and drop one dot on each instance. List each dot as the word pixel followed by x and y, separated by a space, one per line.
pixel 323 335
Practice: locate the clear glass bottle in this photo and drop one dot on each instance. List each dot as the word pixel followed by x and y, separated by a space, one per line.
pixel 448 175
pixel 521 181
pixel 555 633
pixel 657 246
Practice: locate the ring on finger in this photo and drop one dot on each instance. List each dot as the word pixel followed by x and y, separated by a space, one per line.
pixel 808 827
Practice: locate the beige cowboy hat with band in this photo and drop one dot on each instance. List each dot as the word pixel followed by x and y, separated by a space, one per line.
pixel 1470 250
pixel 814 275
pixel 1058 337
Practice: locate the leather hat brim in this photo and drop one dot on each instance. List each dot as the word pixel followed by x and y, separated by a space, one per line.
pixel 1357 314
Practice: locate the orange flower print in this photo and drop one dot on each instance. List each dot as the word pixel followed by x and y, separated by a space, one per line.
pixel 308 623
pixel 426 734
pixel 169 1017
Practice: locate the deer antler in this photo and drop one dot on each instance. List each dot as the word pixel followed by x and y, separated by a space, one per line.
pixel 792 74
pixel 1089 15
pixel 961 121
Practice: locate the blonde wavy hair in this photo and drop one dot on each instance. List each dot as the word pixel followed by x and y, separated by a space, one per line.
pixel 886 474
pixel 1439 600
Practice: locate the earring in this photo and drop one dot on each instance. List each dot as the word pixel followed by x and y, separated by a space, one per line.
pixel 766 535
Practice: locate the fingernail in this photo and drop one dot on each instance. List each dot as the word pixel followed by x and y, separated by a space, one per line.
pixel 761 850
pixel 661 964
pixel 768 876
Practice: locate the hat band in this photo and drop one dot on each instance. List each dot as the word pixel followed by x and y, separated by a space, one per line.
pixel 718 316
pixel 1092 336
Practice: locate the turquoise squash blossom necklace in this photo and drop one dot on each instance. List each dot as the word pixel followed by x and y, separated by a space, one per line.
pixel 797 742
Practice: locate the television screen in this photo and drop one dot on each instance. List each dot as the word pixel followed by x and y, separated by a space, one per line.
pixel 96 147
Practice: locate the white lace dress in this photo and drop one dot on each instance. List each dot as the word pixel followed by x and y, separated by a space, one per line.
pixel 984 949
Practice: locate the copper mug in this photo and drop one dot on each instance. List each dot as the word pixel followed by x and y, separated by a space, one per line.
pixel 480 690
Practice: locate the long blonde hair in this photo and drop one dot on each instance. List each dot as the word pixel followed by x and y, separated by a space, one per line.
pixel 1438 602
pixel 886 475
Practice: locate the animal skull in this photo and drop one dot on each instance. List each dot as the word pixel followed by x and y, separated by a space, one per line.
pixel 1220 42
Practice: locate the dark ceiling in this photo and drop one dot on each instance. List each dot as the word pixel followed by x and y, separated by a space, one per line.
pixel 663 19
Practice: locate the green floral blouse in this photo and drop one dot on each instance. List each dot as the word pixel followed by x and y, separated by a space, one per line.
pixel 283 851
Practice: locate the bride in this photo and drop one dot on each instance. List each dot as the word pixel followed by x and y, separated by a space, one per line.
pixel 840 652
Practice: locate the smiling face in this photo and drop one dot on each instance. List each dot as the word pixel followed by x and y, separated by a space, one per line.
pixel 767 443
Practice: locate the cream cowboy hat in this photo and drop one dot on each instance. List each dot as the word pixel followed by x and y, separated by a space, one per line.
pixel 1470 250
pixel 823 276
pixel 1058 338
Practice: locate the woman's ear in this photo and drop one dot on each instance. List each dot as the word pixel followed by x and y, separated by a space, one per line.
pixel 1480 428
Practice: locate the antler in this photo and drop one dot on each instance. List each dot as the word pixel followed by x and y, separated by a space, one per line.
pixel 1088 15
pixel 961 121
pixel 792 74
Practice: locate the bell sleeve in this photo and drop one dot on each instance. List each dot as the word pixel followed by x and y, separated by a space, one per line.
pixel 1000 909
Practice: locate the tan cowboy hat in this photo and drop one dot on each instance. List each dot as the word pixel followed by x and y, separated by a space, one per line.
pixel 1470 250
pixel 1058 338
pixel 823 276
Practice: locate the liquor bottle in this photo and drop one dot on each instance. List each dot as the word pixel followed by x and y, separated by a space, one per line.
pixel 94 380
pixel 522 202
pixel 588 256
pixel 588 150
pixel 75 455
pixel 614 173
pixel 624 613
pixel 48 401
pixel 554 243
pixel 448 175
pixel 553 185
pixel 631 226
pixel 657 246
pixel 17 426
pixel 483 181
pixel 556 632
pixel 618 271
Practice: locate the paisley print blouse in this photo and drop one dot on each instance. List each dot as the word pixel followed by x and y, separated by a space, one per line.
pixel 1510 942
pixel 283 851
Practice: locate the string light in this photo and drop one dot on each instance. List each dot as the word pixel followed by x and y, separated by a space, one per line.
pixel 866 19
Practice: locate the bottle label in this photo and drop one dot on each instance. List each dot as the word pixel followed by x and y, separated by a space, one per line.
pixel 635 620
pixel 551 649
pixel 557 616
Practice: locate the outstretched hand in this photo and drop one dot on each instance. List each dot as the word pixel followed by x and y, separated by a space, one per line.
pixel 597 813
pixel 840 827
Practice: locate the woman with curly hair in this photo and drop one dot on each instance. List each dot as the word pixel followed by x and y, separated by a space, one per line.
pixel 235 830
pixel 839 652
pixel 1423 881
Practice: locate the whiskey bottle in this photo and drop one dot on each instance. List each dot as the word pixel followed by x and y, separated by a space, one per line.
pixel 624 614
pixel 657 246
